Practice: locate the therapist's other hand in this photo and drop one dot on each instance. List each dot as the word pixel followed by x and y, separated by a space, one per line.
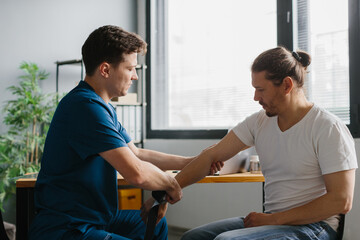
pixel 255 219
pixel 173 193
pixel 215 167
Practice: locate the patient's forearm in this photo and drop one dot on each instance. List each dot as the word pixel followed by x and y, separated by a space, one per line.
pixel 200 166
pixel 195 170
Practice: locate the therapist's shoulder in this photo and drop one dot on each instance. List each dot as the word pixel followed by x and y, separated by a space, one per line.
pixel 82 108
pixel 83 99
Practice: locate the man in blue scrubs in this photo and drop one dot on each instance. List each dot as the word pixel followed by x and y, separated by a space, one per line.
pixel 76 190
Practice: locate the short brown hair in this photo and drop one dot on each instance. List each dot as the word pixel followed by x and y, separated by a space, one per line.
pixel 279 63
pixel 109 43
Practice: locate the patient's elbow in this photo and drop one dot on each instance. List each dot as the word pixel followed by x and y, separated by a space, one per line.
pixel 346 205
pixel 347 208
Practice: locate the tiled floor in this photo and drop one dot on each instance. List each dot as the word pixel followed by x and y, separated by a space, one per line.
pixel 175 233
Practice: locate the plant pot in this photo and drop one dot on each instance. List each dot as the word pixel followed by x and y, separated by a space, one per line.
pixel 9 205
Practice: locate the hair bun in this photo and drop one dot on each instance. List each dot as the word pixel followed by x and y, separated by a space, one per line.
pixel 296 56
pixel 302 57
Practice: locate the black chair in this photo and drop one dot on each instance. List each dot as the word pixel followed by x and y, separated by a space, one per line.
pixel 3 235
pixel 340 231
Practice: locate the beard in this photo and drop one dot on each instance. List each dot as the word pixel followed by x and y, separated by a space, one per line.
pixel 268 113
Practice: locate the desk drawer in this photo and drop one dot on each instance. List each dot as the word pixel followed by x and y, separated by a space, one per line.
pixel 130 198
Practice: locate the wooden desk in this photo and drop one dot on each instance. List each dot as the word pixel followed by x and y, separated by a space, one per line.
pixel 25 211
pixel 29 182
pixel 234 178
pixel 229 178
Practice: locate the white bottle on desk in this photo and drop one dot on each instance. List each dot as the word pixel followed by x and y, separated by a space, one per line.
pixel 254 164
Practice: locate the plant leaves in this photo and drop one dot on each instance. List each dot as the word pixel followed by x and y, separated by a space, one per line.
pixel 30 106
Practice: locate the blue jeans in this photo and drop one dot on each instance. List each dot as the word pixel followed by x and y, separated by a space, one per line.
pixel 233 228
pixel 127 224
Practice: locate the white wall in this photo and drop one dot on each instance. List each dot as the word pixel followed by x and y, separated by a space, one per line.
pixel 203 203
pixel 46 31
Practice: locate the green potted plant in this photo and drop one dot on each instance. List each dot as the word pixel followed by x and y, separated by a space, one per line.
pixel 28 118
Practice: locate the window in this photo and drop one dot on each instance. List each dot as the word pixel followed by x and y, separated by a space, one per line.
pixel 325 37
pixel 203 52
pixel 199 81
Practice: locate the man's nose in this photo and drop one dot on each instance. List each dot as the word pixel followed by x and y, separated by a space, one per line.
pixel 256 97
pixel 134 76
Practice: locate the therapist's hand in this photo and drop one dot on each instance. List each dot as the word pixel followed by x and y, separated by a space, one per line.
pixel 215 167
pixel 174 193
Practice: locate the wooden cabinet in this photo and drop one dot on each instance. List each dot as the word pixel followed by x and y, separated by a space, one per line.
pixel 130 198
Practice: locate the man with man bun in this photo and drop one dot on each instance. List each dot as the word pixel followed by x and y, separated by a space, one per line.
pixel 307 156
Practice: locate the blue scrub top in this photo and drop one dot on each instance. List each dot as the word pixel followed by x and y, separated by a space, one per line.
pixel 76 187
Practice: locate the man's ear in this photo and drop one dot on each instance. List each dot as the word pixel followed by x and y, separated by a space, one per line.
pixel 288 85
pixel 104 69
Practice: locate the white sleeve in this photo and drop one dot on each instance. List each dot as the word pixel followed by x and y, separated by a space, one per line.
pixel 245 130
pixel 336 149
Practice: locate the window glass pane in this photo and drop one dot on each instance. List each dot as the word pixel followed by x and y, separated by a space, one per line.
pixel 201 61
pixel 325 37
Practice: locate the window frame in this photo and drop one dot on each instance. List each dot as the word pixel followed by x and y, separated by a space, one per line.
pixel 285 37
pixel 354 70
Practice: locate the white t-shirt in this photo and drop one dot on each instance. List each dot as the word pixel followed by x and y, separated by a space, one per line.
pixel 294 161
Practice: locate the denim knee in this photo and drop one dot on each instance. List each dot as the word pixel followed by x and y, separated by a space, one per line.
pixel 191 235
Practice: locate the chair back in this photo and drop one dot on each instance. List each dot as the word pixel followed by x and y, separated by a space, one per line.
pixel 340 231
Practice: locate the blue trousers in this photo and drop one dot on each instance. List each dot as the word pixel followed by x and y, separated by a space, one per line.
pixel 125 225
pixel 233 229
